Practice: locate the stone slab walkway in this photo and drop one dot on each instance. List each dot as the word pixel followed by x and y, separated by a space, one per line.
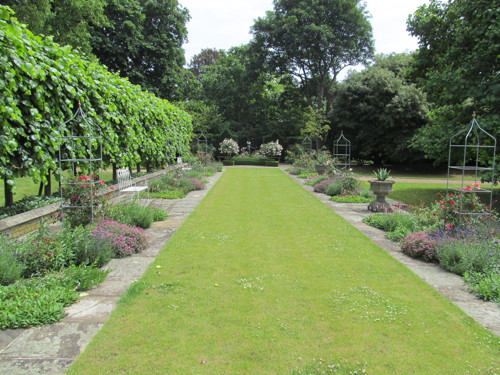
pixel 51 349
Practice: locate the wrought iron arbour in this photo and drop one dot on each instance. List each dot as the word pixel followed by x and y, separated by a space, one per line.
pixel 469 151
pixel 342 152
pixel 79 151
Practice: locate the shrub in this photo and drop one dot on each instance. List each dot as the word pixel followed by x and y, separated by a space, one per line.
pixel 349 185
pixel 228 162
pixel 11 269
pixel 229 147
pixel 41 300
pixel 321 186
pixel 159 214
pixel 157 185
pixel 335 188
pixel 84 199
pixel 419 245
pixel 397 225
pixel 470 249
pixel 193 173
pixel 126 240
pixel 485 285
pixel 86 249
pixel 40 253
pixel 131 213
pixel 271 149
pixel 185 184
pixel 197 183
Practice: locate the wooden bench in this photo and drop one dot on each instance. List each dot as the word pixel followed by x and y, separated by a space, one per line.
pixel 126 184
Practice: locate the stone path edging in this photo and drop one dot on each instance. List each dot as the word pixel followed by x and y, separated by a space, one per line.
pixel 446 283
pixel 50 349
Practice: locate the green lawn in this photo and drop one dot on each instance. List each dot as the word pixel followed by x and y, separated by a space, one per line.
pixel 263 278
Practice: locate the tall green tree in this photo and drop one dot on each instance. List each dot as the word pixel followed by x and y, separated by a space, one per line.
pixel 380 112
pixel 143 42
pixel 314 40
pixel 69 22
pixel 457 65
pixel 206 57
pixel 253 104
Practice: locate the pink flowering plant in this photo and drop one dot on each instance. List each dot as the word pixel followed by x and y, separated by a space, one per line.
pixel 85 198
pixel 125 239
pixel 419 245
pixel 449 206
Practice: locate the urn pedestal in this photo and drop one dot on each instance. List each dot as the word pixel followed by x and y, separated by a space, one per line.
pixel 380 189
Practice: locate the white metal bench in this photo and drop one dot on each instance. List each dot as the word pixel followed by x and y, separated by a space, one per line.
pixel 126 184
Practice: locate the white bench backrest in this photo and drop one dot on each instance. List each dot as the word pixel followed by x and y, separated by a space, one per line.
pixel 124 178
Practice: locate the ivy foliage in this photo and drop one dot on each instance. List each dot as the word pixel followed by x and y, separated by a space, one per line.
pixel 41 84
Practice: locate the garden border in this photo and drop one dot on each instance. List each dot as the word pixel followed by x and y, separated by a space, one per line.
pixel 21 224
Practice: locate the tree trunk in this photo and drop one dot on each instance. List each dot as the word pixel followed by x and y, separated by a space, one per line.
pixel 40 189
pixel 138 167
pixel 48 187
pixel 9 196
pixel 115 172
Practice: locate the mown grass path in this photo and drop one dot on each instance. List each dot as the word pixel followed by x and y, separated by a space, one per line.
pixel 263 278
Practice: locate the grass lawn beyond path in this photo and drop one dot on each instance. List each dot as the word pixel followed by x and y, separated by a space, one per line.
pixel 263 278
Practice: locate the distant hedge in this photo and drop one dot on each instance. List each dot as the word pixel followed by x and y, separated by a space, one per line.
pixel 41 84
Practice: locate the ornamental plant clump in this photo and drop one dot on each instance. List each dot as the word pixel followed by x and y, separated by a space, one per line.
pixel 271 149
pixel 419 245
pixel 229 147
pixel 84 199
pixel 382 174
pixel 126 240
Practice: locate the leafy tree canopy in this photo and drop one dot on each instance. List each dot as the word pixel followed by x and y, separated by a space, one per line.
pixel 314 41
pixel 379 112
pixel 68 21
pixel 457 65
pixel 143 41
pixel 206 57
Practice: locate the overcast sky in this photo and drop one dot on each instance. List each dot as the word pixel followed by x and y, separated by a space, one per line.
pixel 222 24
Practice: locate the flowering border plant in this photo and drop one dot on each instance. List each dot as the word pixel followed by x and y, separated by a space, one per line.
pixel 229 147
pixel 85 199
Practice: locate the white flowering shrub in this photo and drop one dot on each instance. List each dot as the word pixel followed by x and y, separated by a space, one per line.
pixel 229 147
pixel 271 149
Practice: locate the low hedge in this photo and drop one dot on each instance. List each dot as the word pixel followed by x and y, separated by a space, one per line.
pixel 271 163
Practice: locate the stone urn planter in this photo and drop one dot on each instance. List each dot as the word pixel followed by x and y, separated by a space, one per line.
pixel 380 189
